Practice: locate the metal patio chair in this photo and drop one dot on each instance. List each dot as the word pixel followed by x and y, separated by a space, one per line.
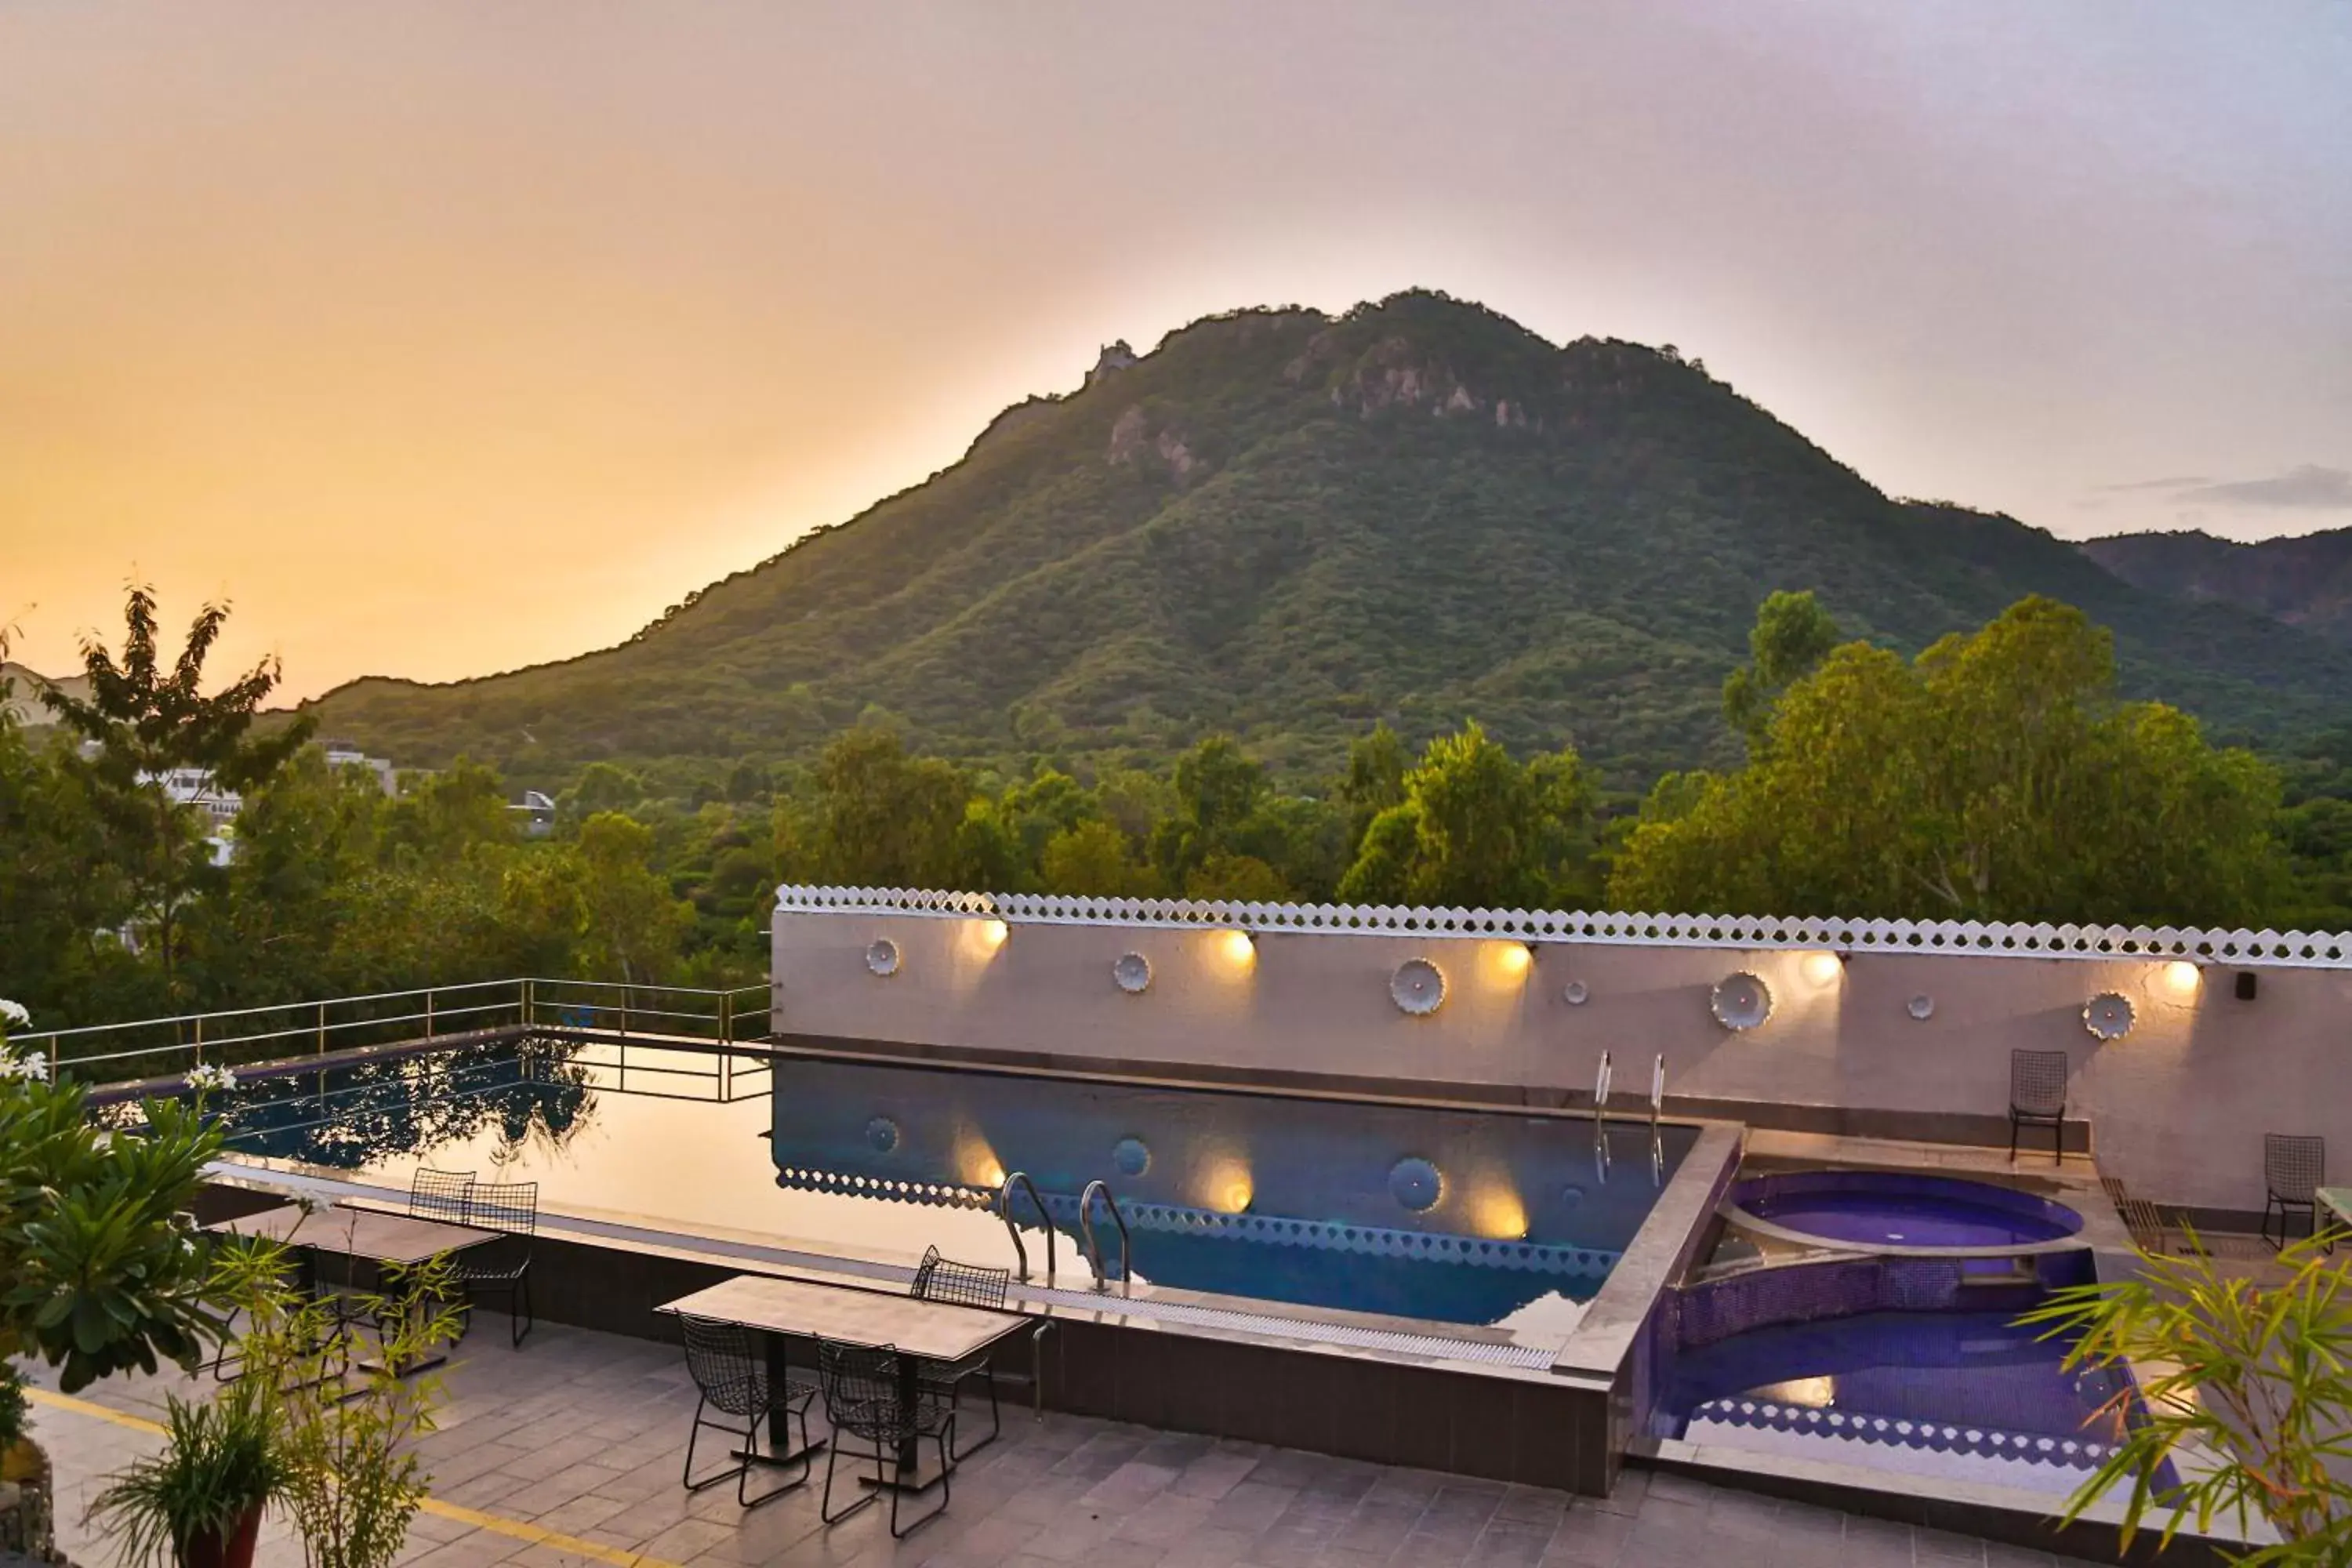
pixel 500 1267
pixel 2037 1098
pixel 869 1397
pixel 440 1195
pixel 730 1373
pixel 964 1285
pixel 2293 1169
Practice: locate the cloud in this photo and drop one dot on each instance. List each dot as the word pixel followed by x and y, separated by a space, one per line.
pixel 2180 482
pixel 2307 486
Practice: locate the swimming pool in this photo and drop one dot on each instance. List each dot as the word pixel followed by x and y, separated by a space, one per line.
pixel 1900 1209
pixel 1957 1395
pixel 1439 1214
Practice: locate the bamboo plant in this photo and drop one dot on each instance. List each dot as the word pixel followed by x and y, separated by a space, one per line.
pixel 2243 1412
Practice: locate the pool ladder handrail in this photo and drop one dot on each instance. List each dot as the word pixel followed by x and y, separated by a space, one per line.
pixel 1045 1219
pixel 1604 1076
pixel 1090 1245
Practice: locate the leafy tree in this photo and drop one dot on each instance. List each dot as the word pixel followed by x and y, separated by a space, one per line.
pixel 1238 879
pixel 630 924
pixel 1993 778
pixel 885 818
pixel 1375 781
pixel 600 786
pixel 1094 857
pixel 1792 636
pixel 446 816
pixel 58 908
pixel 1217 787
pixel 142 722
pixel 1476 828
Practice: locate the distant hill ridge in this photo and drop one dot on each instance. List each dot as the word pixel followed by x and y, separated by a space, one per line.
pixel 1287 525
pixel 2303 582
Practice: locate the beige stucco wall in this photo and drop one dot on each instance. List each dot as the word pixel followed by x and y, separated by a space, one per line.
pixel 2178 1106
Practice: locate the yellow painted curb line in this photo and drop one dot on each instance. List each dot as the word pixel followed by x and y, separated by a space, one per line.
pixel 521 1529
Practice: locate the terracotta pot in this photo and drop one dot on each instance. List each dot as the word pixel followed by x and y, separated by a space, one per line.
pixel 229 1548
pixel 24 1461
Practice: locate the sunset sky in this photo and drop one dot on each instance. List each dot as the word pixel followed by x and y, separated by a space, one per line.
pixel 443 339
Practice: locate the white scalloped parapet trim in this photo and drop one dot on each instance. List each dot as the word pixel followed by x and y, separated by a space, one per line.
pixel 2312 950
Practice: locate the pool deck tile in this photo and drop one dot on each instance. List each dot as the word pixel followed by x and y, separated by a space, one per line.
pixel 566 1454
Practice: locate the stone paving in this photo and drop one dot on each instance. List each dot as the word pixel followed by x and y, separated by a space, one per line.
pixel 567 1452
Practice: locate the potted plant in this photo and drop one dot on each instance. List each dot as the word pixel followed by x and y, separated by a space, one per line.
pixel 198 1503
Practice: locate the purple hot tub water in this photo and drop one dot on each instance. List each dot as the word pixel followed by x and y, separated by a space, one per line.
pixel 1903 1209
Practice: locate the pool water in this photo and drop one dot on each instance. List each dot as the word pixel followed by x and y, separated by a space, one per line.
pixel 1440 1215
pixel 1962 1396
pixel 1876 1208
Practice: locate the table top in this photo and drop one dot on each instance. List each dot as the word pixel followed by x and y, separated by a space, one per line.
pixel 931 1331
pixel 357 1233
pixel 2339 1199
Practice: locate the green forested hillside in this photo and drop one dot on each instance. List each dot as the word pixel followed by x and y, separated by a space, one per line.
pixel 1286 525
pixel 2306 581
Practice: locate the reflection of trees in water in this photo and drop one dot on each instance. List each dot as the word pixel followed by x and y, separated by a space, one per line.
pixel 351 1116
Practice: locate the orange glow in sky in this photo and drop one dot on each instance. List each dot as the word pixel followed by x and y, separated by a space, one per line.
pixel 446 338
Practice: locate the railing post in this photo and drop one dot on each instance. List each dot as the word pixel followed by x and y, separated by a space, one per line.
pixel 428 1012
pixel 322 1028
pixel 200 1039
pixel 524 1006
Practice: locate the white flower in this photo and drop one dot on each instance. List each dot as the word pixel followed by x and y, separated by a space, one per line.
pixel 13 1013
pixel 33 1068
pixel 207 1076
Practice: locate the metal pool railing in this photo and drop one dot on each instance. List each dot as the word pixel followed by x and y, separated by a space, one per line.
pixel 609 1011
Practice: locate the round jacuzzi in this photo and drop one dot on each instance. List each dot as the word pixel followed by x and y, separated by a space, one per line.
pixel 1898 1211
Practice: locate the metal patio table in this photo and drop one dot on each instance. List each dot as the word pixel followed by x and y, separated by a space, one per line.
pixel 922 1331
pixel 377 1236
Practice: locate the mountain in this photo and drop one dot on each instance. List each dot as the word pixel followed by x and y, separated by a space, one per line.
pixel 1286 525
pixel 2304 582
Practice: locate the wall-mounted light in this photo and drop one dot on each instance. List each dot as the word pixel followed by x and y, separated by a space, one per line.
pixel 2182 978
pixel 1238 948
pixel 992 934
pixel 1740 1002
pixel 1823 968
pixel 1514 959
pixel 1224 1185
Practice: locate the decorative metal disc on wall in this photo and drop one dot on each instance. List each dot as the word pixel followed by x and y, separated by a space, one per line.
pixel 1418 985
pixel 1414 1182
pixel 2109 1016
pixel 1574 993
pixel 882 957
pixel 1132 970
pixel 1740 1001
pixel 1922 1006
pixel 882 1135
pixel 1131 1156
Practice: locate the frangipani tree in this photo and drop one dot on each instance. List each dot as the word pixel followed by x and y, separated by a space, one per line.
pixel 99 1271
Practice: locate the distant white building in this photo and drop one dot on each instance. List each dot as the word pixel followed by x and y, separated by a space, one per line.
pixel 343 754
pixel 536 812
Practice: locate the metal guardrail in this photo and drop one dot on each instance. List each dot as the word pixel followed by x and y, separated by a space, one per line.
pixel 144 1049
